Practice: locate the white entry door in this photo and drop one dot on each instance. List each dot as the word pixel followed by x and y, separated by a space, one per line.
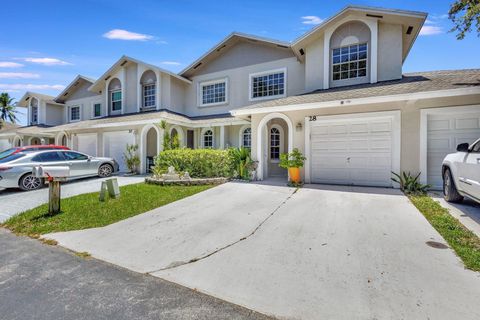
pixel 444 133
pixel 87 143
pixel 115 144
pixel 354 150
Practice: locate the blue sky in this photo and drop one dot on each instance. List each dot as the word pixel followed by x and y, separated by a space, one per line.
pixel 45 44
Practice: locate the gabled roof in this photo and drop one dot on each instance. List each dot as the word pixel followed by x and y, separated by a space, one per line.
pixel 425 84
pixel 229 40
pixel 406 18
pixel 122 61
pixel 23 102
pixel 68 90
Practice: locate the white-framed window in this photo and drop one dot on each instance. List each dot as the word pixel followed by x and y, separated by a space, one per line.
pixel 97 110
pixel 247 138
pixel 116 99
pixel 149 95
pixel 276 142
pixel 208 139
pixel 268 84
pixel 349 62
pixel 74 113
pixel 213 92
pixel 34 115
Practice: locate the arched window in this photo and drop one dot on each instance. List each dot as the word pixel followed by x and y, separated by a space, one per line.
pixel 115 95
pixel 208 139
pixel 275 143
pixel 247 138
pixel 64 140
pixel 149 89
pixel 34 110
pixel 174 133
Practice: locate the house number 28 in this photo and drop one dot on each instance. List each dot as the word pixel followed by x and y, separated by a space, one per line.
pixel 313 118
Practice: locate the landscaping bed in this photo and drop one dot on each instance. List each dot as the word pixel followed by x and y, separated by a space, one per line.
pixel 86 211
pixel 186 182
pixel 465 243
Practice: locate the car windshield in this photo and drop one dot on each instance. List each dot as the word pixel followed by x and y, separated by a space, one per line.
pixel 12 157
pixel 6 153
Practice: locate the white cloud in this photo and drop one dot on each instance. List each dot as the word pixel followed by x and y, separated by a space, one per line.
pixel 19 75
pixel 171 63
pixel 27 86
pixel 430 30
pixel 46 61
pixel 119 34
pixel 9 64
pixel 311 20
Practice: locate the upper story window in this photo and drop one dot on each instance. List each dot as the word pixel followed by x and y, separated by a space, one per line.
pixel 115 92
pixel 208 139
pixel 34 110
pixel 148 81
pixel 213 92
pixel 349 62
pixel 75 113
pixel 97 110
pixel 149 92
pixel 268 84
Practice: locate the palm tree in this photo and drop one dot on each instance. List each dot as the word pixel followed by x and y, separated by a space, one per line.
pixel 7 109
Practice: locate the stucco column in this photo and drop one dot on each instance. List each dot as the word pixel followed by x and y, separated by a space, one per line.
pixel 326 58
pixel 140 70
pixel 158 98
pixel 222 138
pixel 123 77
pixel 373 25
pixel 106 99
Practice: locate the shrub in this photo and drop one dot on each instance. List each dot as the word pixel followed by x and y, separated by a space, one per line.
pixel 410 184
pixel 132 161
pixel 242 161
pixel 199 163
pixel 295 159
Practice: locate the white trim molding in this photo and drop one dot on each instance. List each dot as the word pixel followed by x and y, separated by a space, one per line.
pixel 264 73
pixel 424 113
pixel 262 151
pixel 202 84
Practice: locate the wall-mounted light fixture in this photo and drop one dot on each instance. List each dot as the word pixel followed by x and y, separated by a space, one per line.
pixel 299 127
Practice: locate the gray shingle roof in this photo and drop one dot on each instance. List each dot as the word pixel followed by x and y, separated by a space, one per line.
pixel 410 83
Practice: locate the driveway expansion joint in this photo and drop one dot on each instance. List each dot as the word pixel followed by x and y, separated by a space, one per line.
pixel 177 264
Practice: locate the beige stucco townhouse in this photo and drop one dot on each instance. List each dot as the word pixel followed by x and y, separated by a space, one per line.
pixel 337 93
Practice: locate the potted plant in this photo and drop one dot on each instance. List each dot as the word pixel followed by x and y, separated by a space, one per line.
pixel 293 162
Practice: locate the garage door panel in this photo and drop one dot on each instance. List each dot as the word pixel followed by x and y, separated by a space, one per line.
pixel 115 144
pixel 444 133
pixel 87 143
pixel 354 151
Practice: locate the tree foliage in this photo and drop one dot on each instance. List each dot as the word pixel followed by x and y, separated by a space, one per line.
pixel 7 109
pixel 465 14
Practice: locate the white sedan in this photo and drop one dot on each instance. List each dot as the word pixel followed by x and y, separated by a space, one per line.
pixel 461 173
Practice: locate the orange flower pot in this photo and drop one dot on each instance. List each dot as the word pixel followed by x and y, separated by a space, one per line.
pixel 294 174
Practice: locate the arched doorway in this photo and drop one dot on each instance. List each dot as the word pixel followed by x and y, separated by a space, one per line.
pixel 35 141
pixel 274 137
pixel 17 141
pixel 150 146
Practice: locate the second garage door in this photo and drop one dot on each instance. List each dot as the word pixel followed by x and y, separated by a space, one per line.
pixel 115 144
pixel 357 150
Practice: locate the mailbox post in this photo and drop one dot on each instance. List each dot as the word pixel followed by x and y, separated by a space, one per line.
pixel 54 175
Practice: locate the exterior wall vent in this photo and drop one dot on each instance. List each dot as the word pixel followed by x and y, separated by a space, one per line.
pixel 197 65
pixel 302 52
pixel 123 63
pixel 409 30
pixel 374 16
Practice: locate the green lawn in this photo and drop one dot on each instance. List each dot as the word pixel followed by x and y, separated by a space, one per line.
pixel 465 243
pixel 86 211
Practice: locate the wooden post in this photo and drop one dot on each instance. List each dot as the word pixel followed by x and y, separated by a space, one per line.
pixel 54 197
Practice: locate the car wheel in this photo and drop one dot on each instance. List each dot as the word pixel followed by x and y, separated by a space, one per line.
pixel 105 170
pixel 450 192
pixel 28 182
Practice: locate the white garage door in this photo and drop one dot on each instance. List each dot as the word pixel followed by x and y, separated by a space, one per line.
pixel 354 151
pixel 444 133
pixel 4 144
pixel 87 143
pixel 115 145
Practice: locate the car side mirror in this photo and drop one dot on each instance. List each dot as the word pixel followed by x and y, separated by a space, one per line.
pixel 90 158
pixel 463 147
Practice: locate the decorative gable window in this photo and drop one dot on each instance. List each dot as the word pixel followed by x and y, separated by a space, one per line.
pixel 149 92
pixel 75 113
pixel 213 92
pixel 269 84
pixel 349 62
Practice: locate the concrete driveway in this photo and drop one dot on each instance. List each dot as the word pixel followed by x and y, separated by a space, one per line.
pixel 316 253
pixel 13 201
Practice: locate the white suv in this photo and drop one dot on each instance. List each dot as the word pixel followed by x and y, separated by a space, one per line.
pixel 461 173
